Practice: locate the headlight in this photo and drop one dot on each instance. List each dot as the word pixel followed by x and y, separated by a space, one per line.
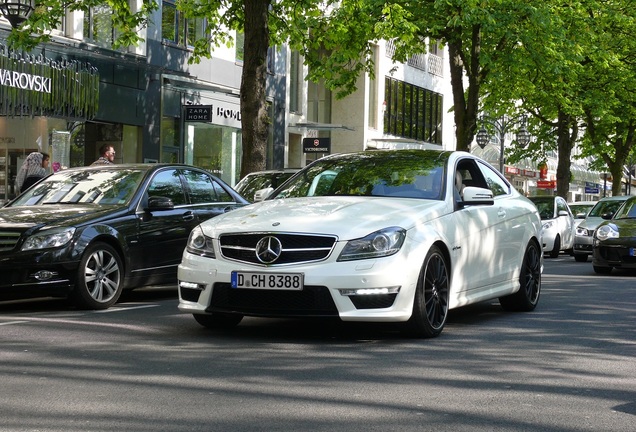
pixel 49 239
pixel 607 232
pixel 581 232
pixel 200 244
pixel 548 225
pixel 378 244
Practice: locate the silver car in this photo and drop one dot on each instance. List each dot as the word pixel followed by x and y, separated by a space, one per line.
pixel 558 224
pixel 585 231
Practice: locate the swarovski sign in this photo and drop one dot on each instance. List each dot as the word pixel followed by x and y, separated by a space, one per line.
pixel 25 81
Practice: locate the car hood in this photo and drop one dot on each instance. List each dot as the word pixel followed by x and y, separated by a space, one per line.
pixel 24 217
pixel 591 222
pixel 346 217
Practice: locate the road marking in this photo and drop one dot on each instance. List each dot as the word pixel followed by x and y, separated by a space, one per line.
pixel 13 322
pixel 120 309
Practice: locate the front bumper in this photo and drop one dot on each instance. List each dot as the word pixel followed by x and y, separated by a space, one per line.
pixel 582 245
pixel 204 287
pixel 619 256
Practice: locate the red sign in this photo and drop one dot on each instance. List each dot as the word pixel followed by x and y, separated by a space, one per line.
pixel 546 184
pixel 512 170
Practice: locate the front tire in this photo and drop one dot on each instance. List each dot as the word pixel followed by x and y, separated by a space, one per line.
pixel 218 320
pixel 430 305
pixel 602 270
pixel 99 278
pixel 557 247
pixel 580 257
pixel 527 297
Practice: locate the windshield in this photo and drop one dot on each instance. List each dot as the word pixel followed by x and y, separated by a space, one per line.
pixel 110 187
pixel 545 207
pixel 604 207
pixel 408 174
pixel 580 210
pixel 627 211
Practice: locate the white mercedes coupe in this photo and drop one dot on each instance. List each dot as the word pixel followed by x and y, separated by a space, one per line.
pixel 378 236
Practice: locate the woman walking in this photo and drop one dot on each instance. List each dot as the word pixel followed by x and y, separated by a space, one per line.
pixel 33 169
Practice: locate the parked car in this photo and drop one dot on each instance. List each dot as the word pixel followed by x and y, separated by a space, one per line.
pixel 383 236
pixel 558 224
pixel 580 209
pixel 584 232
pixel 614 242
pixel 91 232
pixel 259 180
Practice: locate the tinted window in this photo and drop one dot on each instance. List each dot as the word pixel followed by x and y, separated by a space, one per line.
pixel 604 207
pixel 167 184
pixel 201 187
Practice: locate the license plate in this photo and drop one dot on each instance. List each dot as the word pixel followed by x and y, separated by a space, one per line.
pixel 632 251
pixel 267 281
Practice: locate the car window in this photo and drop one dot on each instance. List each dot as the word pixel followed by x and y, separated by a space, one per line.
pixel 221 194
pixel 105 187
pixel 200 187
pixel 167 184
pixel 604 207
pixel 627 210
pixel 562 206
pixel 494 182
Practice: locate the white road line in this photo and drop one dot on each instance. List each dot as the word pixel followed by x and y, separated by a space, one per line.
pixel 120 309
pixel 13 322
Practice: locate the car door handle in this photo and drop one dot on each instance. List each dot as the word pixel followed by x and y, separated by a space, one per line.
pixel 501 213
pixel 188 216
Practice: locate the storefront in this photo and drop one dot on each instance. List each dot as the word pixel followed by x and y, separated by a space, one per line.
pixel 40 99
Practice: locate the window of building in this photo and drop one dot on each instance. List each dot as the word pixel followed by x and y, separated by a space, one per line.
pixel 177 29
pixel 295 82
pixel 239 43
pixel 98 26
pixel 412 111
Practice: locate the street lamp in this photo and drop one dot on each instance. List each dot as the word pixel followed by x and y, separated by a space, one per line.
pixel 16 11
pixel 502 126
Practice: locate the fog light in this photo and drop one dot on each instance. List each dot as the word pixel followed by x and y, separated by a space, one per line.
pixel 44 275
pixel 191 285
pixel 370 291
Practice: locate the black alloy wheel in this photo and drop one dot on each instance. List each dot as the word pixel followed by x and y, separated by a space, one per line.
pixel 430 306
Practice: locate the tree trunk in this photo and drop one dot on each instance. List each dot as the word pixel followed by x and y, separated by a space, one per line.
pixel 567 132
pixel 254 113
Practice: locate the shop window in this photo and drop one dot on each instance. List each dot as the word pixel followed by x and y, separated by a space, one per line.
pixel 412 112
pixel 177 29
pixel 98 26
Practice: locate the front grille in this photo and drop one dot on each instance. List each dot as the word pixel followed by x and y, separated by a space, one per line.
pixel 8 240
pixel 311 301
pixel 617 254
pixel 296 248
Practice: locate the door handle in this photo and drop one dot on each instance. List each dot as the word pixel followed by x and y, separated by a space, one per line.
pixel 501 213
pixel 188 216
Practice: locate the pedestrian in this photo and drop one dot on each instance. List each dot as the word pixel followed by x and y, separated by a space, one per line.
pixel 107 155
pixel 33 169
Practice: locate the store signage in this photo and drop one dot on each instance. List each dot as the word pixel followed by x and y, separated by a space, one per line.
pixel 198 113
pixel 591 190
pixel 546 184
pixel 512 170
pixel 25 81
pixel 316 145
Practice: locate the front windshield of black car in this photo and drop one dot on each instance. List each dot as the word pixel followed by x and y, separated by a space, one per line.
pixel 407 174
pixel 106 187
pixel 605 207
pixel 627 210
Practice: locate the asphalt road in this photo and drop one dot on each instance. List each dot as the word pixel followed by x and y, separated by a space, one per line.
pixel 143 366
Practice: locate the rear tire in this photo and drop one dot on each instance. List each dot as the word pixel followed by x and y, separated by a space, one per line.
pixel 430 305
pixel 218 320
pixel 527 297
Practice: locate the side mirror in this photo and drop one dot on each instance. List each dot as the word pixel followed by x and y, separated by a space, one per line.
pixel 261 194
pixel 477 196
pixel 562 213
pixel 157 203
pixel 607 216
pixel 580 215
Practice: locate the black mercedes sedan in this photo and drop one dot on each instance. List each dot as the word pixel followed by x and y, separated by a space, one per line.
pixel 89 233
